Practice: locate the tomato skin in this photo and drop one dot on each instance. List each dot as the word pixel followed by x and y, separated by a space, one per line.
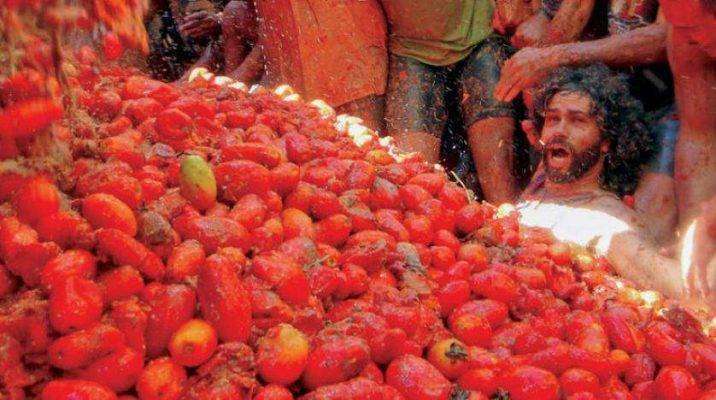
pixel 213 233
pixel 124 249
pixel 450 357
pixel 193 343
pixel 284 275
pixel 282 355
pixel 75 304
pixel 120 283
pixel 470 218
pixel 575 380
pixel 663 346
pixel 170 307
pixel 118 371
pixel 274 392
pixel 36 199
pixel 24 119
pixel 494 285
pixel 161 379
pixel 69 263
pixel 415 378
pixel 481 379
pixel 641 368
pixel 76 389
pixel 336 361
pixel 111 47
pixel 674 382
pixel 223 299
pixel 78 349
pixel 527 382
pixel 106 211
pixel 185 260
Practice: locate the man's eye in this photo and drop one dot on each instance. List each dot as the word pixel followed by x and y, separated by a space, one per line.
pixel 581 119
pixel 552 119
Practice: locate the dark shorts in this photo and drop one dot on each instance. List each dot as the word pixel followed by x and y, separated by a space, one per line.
pixel 416 95
pixel 665 128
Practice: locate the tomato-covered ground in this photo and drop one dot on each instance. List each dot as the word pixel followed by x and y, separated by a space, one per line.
pixel 197 241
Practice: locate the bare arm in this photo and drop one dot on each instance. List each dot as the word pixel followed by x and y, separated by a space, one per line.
pixel 569 22
pixel 641 46
pixel 638 260
pixel 529 66
pixel 252 67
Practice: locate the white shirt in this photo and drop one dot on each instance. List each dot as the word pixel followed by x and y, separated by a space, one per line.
pixel 585 227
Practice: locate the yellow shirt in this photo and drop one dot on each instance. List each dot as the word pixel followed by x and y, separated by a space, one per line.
pixel 437 32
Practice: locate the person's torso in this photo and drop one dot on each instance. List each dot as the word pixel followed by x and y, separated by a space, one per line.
pixel 329 49
pixel 695 17
pixel 586 223
pixel 437 32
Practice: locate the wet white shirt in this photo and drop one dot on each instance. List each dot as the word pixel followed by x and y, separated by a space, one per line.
pixel 586 227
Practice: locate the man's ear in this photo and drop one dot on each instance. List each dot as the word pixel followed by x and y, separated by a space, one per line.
pixel 532 136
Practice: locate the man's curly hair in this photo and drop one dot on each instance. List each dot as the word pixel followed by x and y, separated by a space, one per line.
pixel 620 116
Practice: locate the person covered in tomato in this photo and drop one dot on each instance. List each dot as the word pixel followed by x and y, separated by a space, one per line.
pixel 593 141
pixel 436 47
pixel 691 44
pixel 636 46
pixel 692 56
pixel 557 21
pixel 333 50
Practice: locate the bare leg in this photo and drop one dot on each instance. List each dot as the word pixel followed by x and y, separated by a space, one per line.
pixel 238 29
pixel 491 144
pixel 369 108
pixel 415 111
pixel 421 142
pixel 695 164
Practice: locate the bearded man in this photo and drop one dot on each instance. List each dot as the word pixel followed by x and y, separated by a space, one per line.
pixel 593 144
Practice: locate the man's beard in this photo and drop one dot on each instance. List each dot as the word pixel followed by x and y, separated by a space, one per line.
pixel 581 161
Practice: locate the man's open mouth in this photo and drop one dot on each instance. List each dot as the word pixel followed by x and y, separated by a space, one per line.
pixel 558 151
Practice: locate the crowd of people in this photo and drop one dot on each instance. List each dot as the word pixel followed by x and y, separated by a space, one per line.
pixel 617 99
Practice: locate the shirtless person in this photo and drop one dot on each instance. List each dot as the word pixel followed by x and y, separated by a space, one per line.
pixel 593 144
pixel 636 45
pixel 692 55
pixel 691 44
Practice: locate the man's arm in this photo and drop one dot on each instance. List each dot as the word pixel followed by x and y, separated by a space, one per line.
pixel 529 66
pixel 569 22
pixel 638 260
pixel 566 26
pixel 252 67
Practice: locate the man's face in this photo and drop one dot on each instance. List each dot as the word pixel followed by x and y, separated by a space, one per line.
pixel 571 137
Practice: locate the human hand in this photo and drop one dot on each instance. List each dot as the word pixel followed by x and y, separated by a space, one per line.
pixel 523 70
pixel 531 32
pixel 201 24
pixel 509 14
